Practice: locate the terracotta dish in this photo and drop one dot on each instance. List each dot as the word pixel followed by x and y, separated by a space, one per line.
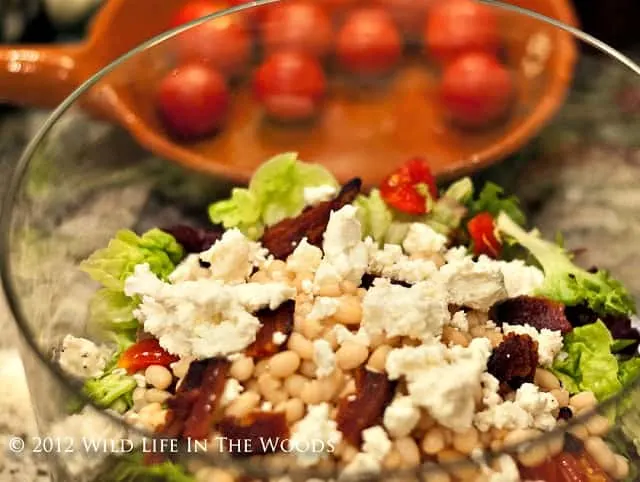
pixel 361 130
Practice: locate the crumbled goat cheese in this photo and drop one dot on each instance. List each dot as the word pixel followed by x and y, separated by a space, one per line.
pixel 82 358
pixel 345 254
pixel 376 442
pixel 141 380
pixel 315 426
pixel 549 341
pixel 318 194
pixel 361 467
pixel 401 416
pixel 189 270
pixel 343 334
pixel 530 409
pixel 266 406
pixel 442 380
pixel 323 307
pixel 233 257
pixel 232 390
pixel 204 318
pixel 519 278
pixel 324 358
pixel 391 262
pixel 305 258
pixel 490 387
pixel 456 254
pixel 422 239
pixel 419 312
pixel 307 286
pixel 278 338
pixel 473 285
pixel 504 468
pixel 459 321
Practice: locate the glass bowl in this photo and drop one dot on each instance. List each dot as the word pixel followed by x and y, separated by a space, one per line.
pixel 82 179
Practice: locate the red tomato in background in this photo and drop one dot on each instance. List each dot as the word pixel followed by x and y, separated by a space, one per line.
pixel 404 189
pixel 409 15
pixel 193 101
pixel 290 85
pixel 476 90
pixel 337 6
pixel 369 42
pixel 251 14
pixel 224 43
pixel 482 229
pixel 454 27
pixel 302 25
pixel 143 354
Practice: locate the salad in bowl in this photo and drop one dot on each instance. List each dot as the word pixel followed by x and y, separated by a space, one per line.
pixel 355 333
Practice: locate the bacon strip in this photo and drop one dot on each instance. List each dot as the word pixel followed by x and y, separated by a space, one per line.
pixel 282 238
pixel 514 361
pixel 273 321
pixel 256 433
pixel 373 393
pixel 528 310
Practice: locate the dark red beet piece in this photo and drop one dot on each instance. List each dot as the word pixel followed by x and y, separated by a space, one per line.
pixel 373 393
pixel 279 320
pixel 535 311
pixel 514 361
pixel 262 431
pixel 195 240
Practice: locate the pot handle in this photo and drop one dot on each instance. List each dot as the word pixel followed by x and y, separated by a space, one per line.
pixel 39 76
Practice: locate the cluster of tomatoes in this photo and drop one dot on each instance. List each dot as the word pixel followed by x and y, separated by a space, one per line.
pixel 298 39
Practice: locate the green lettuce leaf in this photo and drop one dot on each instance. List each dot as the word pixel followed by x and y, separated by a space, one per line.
pixel 492 200
pixel 113 264
pixel 276 192
pixel 131 468
pixel 629 371
pixel 108 388
pixel 450 209
pixel 113 310
pixel 374 215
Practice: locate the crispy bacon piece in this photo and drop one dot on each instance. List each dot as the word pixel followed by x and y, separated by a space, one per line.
pixel 282 238
pixel 273 321
pixel 528 310
pixel 256 433
pixel 514 361
pixel 373 393
pixel 195 240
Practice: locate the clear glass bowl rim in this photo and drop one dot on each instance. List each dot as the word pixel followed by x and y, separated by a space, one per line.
pixel 71 386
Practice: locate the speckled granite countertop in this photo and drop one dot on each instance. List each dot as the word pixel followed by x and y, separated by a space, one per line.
pixel 580 177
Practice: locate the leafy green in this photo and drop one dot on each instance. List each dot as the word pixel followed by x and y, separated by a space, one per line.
pixel 621 344
pixel 589 364
pixel 276 192
pixel 629 371
pixel 449 210
pixel 113 310
pixel 564 281
pixel 492 200
pixel 108 388
pixel 113 264
pixel 374 215
pixel 131 468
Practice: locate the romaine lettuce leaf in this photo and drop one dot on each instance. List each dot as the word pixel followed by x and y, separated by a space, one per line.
pixel 131 468
pixel 629 371
pixel 374 215
pixel 242 210
pixel 113 310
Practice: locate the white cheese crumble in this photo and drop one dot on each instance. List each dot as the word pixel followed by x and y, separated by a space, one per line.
pixel 442 380
pixel 232 390
pixel 519 278
pixel 324 358
pixel 391 262
pixel 233 257
pixel 504 468
pixel 323 307
pixel 361 467
pixel 550 342
pixel 315 426
pixel 401 416
pixel 376 442
pixel 279 338
pixel 376 445
pixel 204 318
pixel 422 239
pixel 305 258
pixel 530 409
pixel 82 358
pixel 318 194
pixel 419 312
pixel 345 254
pixel 189 269
pixel 459 321
pixel 343 334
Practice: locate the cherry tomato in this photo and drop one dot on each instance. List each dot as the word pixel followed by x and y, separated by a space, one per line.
pixel 193 100
pixel 290 85
pixel 454 27
pixel 409 15
pixel 482 231
pixel 299 25
pixel 369 42
pixel 250 14
pixel 224 42
pixel 337 6
pixel 407 188
pixel 476 90
pixel 143 354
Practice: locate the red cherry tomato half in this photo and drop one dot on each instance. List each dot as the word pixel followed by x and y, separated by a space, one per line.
pixel 194 10
pixel 193 101
pixel 301 25
pixel 409 15
pixel 454 27
pixel 482 231
pixel 290 85
pixel 224 42
pixel 405 188
pixel 476 90
pixel 143 354
pixel 369 42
